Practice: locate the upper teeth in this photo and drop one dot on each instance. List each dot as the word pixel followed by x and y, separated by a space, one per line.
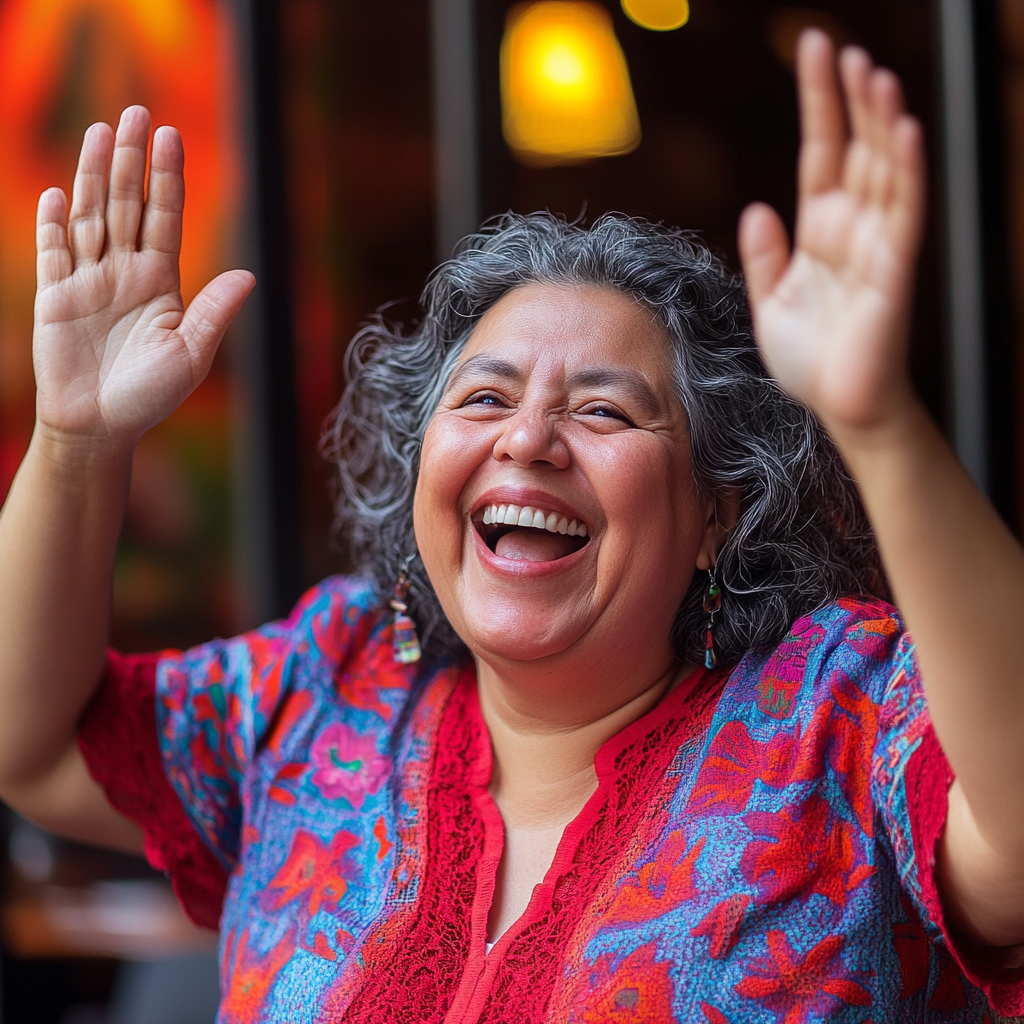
pixel 538 518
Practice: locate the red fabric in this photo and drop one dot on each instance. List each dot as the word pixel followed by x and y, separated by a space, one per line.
pixel 445 934
pixel 118 739
pixel 928 779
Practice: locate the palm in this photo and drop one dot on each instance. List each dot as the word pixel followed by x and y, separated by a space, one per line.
pixel 115 351
pixel 830 318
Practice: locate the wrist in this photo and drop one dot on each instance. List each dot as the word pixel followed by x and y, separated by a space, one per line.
pixel 898 448
pixel 904 424
pixel 68 451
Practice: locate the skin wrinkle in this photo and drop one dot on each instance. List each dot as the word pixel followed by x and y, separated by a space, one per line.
pixel 604 377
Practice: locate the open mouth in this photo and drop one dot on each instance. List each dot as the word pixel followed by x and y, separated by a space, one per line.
pixel 527 533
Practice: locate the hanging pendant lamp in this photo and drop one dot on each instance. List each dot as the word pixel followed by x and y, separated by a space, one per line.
pixel 565 89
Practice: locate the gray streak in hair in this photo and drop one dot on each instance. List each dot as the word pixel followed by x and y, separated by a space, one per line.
pixel 802 538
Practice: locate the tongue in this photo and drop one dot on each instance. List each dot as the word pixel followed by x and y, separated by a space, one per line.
pixel 533 546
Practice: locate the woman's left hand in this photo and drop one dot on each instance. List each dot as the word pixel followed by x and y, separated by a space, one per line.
pixel 832 316
pixel 832 320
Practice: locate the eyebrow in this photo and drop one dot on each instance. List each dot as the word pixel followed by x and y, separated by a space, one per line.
pixel 619 378
pixel 487 365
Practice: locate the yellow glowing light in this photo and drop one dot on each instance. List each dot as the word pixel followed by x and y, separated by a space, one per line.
pixel 565 90
pixel 563 67
pixel 659 15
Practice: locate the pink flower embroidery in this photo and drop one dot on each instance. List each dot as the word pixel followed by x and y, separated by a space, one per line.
pixel 347 764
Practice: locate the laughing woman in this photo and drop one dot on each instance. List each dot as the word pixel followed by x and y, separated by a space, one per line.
pixel 616 723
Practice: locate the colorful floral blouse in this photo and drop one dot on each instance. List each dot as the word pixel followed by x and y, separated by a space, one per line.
pixel 759 848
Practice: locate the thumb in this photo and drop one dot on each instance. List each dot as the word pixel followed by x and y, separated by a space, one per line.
pixel 764 251
pixel 210 313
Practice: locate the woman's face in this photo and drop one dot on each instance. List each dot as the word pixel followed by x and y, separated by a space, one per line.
pixel 561 404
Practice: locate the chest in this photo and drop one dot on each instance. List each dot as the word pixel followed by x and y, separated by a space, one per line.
pixel 526 857
pixel 708 857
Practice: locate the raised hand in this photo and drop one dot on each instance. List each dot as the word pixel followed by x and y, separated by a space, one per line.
pixel 115 350
pixel 832 317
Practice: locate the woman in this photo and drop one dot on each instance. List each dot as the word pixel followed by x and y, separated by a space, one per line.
pixel 585 489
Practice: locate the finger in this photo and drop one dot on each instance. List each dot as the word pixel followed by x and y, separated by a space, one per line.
pixel 823 124
pixel 87 226
pixel 909 186
pixel 855 71
pixel 53 254
pixel 764 250
pixel 127 178
pixel 161 221
pixel 886 98
pixel 208 317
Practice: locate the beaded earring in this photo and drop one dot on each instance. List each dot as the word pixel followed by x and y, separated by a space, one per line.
pixel 405 642
pixel 712 604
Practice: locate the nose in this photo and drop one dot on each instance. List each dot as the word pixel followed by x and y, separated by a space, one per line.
pixel 532 438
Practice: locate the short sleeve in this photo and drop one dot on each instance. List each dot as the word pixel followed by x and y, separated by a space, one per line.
pixel 118 740
pixel 217 705
pixel 171 736
pixel 911 779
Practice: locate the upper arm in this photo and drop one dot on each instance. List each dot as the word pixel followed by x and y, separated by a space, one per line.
pixel 69 802
pixel 982 892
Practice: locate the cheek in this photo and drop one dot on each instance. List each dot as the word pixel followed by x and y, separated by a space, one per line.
pixel 650 492
pixel 657 518
pixel 447 461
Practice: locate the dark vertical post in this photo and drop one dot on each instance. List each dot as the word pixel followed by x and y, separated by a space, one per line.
pixel 980 315
pixel 495 177
pixel 1000 333
pixel 965 301
pixel 456 127
pixel 267 463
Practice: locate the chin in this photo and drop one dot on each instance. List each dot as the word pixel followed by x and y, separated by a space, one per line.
pixel 519 634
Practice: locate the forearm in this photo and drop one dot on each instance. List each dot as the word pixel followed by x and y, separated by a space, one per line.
pixel 58 535
pixel 957 574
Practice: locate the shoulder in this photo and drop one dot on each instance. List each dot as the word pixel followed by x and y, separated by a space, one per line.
pixel 330 621
pixel 856 639
pixel 334 647
pixel 333 621
pixel 346 607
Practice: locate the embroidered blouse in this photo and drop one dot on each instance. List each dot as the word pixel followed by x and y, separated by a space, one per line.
pixel 760 846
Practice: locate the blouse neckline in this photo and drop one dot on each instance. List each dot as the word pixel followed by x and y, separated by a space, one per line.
pixel 610 763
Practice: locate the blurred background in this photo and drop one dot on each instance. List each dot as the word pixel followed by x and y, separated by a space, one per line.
pixel 339 149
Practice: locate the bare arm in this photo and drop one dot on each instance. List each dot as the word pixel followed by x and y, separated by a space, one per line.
pixel 115 352
pixel 832 322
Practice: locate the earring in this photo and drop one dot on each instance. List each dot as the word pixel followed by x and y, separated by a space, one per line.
pixel 712 604
pixel 405 642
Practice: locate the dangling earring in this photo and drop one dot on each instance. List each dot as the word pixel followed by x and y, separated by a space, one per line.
pixel 405 643
pixel 712 604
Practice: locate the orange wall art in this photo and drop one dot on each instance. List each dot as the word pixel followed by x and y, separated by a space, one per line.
pixel 65 64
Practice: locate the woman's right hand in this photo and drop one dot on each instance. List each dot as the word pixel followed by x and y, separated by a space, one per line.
pixel 115 350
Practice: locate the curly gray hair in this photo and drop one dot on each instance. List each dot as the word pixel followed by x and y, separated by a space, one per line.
pixel 802 538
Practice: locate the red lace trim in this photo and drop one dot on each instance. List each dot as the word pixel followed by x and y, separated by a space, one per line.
pixel 928 778
pixel 631 796
pixel 118 739
pixel 445 973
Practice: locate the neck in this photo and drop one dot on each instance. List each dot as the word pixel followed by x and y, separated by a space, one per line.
pixel 543 750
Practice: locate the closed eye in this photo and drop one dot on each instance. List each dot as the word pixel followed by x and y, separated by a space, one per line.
pixel 607 412
pixel 485 398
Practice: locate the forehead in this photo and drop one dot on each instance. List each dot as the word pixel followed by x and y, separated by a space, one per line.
pixel 555 326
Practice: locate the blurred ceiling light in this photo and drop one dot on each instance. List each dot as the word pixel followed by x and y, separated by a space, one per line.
pixel 659 15
pixel 565 90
